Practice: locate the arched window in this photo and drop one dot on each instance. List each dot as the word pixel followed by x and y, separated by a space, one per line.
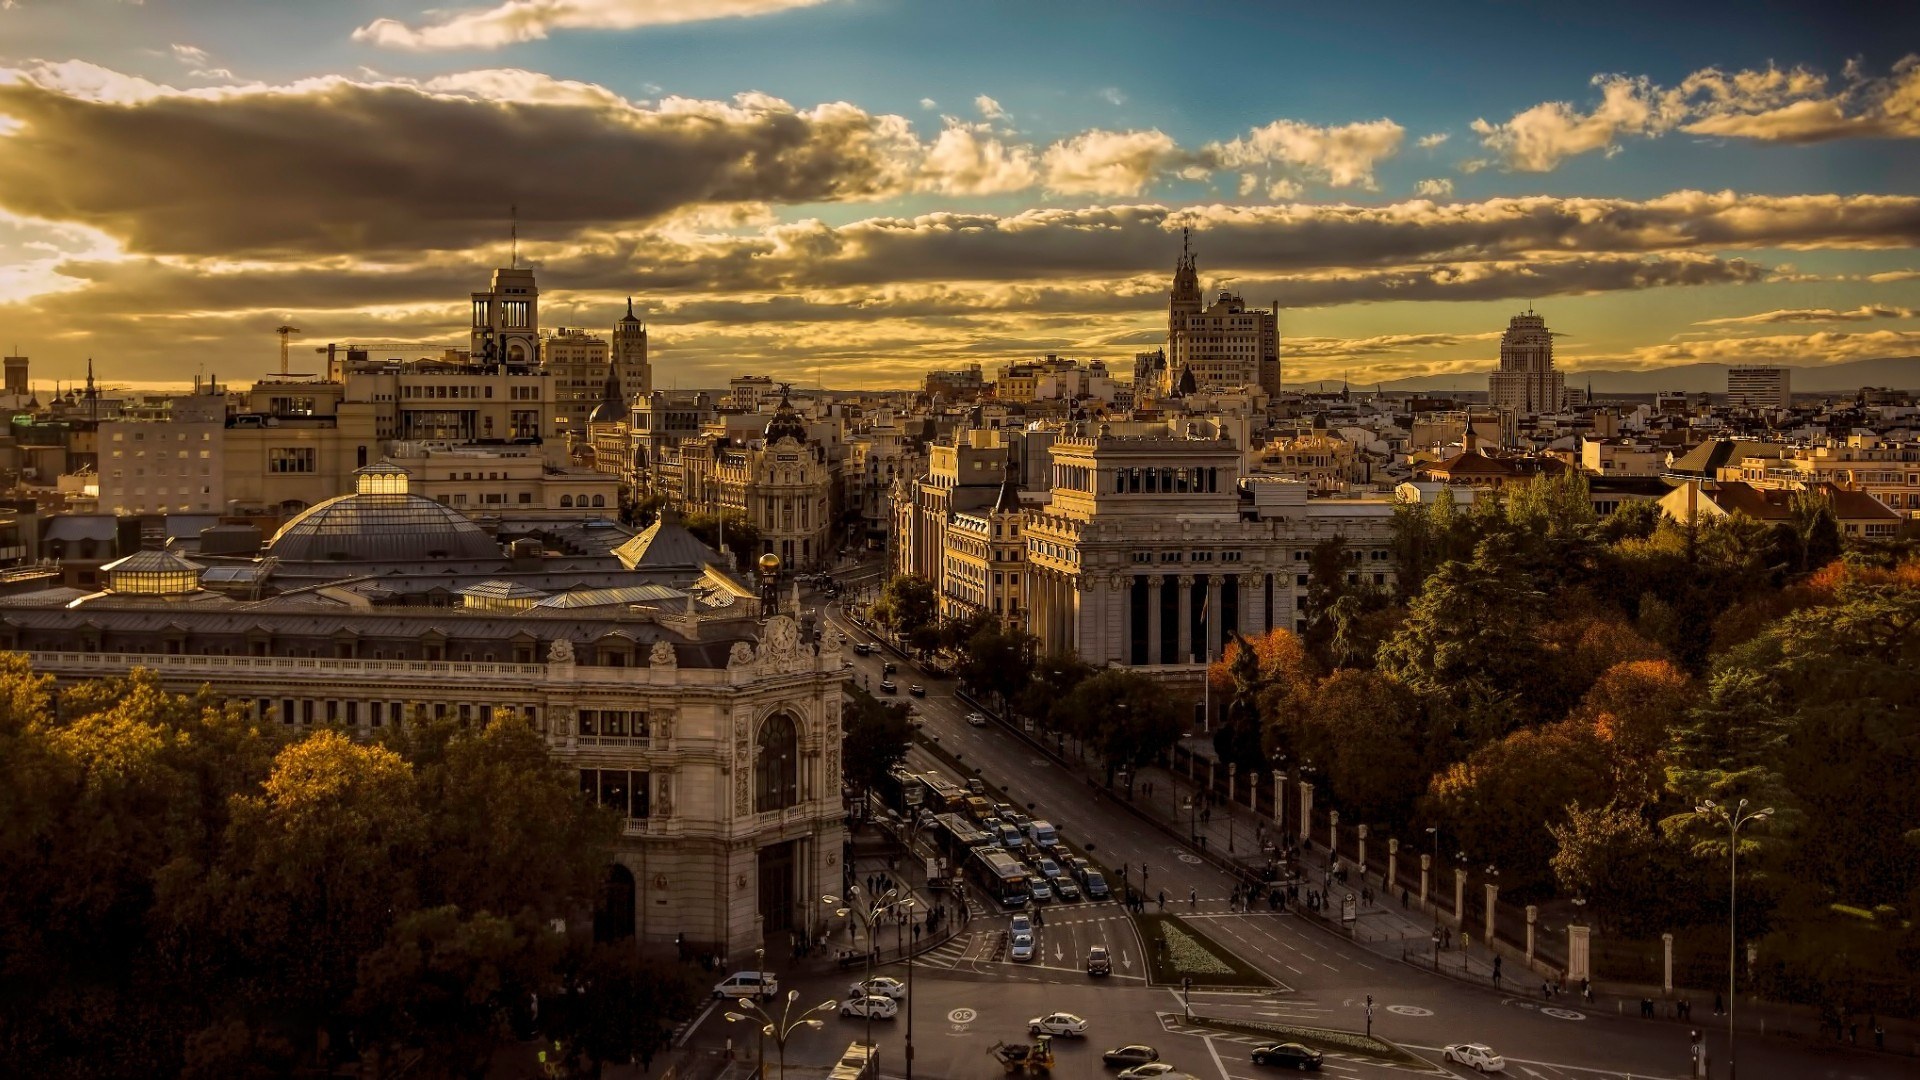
pixel 566 501
pixel 613 917
pixel 599 500
pixel 776 769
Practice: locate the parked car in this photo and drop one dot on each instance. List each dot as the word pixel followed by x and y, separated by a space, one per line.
pixel 1040 891
pixel 1096 886
pixel 1022 948
pixel 916 690
pixel 1287 1055
pixel 877 1008
pixel 761 984
pixel 977 719
pixel 1098 962
pixel 886 686
pixel 1130 1055
pixel 1149 1071
pixel 1477 1056
pixel 1065 888
pixel 1059 1023
pixel 878 987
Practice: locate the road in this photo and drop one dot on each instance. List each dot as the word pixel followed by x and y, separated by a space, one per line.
pixel 1323 979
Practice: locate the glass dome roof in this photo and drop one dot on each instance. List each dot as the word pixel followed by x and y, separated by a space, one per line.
pixel 381 522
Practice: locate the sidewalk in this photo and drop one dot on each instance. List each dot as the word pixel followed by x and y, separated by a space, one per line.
pixel 876 853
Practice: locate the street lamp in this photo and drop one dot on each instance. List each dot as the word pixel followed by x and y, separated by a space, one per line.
pixel 1193 828
pixel 869 914
pixel 1233 778
pixel 1733 818
pixel 782 1028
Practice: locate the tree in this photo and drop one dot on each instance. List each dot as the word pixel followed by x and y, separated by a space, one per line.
pixel 1365 730
pixel 1634 709
pixel 742 537
pixel 1237 739
pixel 997 661
pixel 1613 858
pixel 1502 799
pixel 616 1007
pixel 1635 519
pixel 908 606
pixel 1816 530
pixel 875 739
pixel 1126 715
pixel 1055 677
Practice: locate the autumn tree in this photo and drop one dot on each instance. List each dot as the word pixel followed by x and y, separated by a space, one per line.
pixel 1127 716
pixel 875 738
pixel 1502 799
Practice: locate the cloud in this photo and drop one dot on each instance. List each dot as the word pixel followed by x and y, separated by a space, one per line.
pixel 1113 95
pixel 1797 105
pixel 1826 347
pixel 990 109
pixel 1428 142
pixel 1440 188
pixel 1889 276
pixel 1862 313
pixel 969 159
pixel 1342 156
pixel 190 55
pixel 1122 163
pixel 928 103
pixel 518 21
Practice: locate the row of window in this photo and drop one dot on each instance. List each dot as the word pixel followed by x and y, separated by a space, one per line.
pixel 1166 480
pixel 373 714
pixel 615 723
pixel 628 791
pixel 160 436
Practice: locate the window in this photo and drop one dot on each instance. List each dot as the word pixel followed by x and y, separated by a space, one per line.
pixel 290 459
pixel 776 767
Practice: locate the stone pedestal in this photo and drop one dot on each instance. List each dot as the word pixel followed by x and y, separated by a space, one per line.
pixel 1333 837
pixel 1493 897
pixel 1306 810
pixel 1666 963
pixel 1426 867
pixel 1393 865
pixel 1577 966
pixel 1363 850
pixel 1460 898
pixel 1533 915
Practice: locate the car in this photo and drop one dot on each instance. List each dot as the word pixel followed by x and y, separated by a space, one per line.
pixel 1477 1056
pixel 1096 886
pixel 878 987
pixel 1008 836
pixel 861 648
pixel 916 721
pixel 1022 948
pixel 871 1008
pixel 1059 1023
pixel 976 785
pixel 889 667
pixel 1048 868
pixel 1020 821
pixel 916 690
pixel 1065 889
pixel 1098 962
pixel 1040 891
pixel 1023 924
pixel 1001 810
pixel 1148 1071
pixel 977 719
pixel 762 984
pixel 1078 867
pixel 1130 1055
pixel 887 686
pixel 1287 1055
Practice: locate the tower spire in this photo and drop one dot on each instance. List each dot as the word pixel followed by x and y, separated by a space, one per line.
pixel 513 232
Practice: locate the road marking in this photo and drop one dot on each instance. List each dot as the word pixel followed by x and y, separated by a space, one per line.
pixel 1217 1063
pixel 1563 1014
pixel 963 1016
pixel 1637 1075
pixel 1409 1010
pixel 697 1021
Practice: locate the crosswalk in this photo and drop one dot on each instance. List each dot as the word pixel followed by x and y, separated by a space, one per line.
pixel 1176 1024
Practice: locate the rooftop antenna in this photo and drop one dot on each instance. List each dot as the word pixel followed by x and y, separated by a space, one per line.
pixel 513 231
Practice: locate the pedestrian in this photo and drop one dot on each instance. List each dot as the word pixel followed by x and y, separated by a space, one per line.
pixel 1163 900
pixel 1719 1005
pixel 1403 898
pixel 916 933
pixel 1586 992
pixel 1496 971
pixel 1193 897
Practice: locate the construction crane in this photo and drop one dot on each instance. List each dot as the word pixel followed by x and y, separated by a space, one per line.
pixel 285 332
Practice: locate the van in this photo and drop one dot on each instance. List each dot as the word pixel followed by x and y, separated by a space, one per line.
pixel 1010 837
pixel 981 810
pixel 1042 833
pixel 761 984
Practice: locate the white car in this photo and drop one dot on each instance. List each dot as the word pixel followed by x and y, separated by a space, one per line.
pixel 977 719
pixel 1479 1056
pixel 1152 1070
pixel 1022 924
pixel 1022 949
pixel 1057 1024
pixel 876 1008
pixel 879 987
pixel 1040 891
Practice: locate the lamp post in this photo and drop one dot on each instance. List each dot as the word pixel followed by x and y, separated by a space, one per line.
pixel 780 1029
pixel 1193 829
pixel 1233 777
pixel 1733 817
pixel 869 912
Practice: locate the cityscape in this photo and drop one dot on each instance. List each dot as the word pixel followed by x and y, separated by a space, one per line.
pixel 858 538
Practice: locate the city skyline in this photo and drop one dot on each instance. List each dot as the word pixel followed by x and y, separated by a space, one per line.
pixel 808 188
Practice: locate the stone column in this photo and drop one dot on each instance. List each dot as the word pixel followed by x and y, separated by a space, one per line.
pixel 1577 965
pixel 1333 837
pixel 1214 636
pixel 1493 896
pixel 1213 766
pixel 1666 963
pixel 1363 850
pixel 1460 898
pixel 1306 810
pixel 1155 583
pixel 1426 866
pixel 1393 864
pixel 1279 806
pixel 1533 916
pixel 1244 609
pixel 1117 617
pixel 1183 641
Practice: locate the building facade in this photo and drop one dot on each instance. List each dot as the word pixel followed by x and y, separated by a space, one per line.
pixel 1224 345
pixel 1757 387
pixel 1526 382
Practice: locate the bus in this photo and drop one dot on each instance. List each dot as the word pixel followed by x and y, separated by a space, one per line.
pixel 942 796
pixel 999 875
pixel 954 837
pixel 901 791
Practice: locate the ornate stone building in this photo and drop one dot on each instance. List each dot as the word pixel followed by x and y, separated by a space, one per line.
pixel 712 725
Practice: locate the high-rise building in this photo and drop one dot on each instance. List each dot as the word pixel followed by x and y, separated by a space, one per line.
pixel 1225 345
pixel 1526 381
pixel 1756 387
pixel 16 373
pixel 506 319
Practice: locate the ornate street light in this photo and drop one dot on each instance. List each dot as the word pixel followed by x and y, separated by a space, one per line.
pixel 1733 817
pixel 782 1028
pixel 869 911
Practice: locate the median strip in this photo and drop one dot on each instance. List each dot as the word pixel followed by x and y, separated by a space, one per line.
pixel 1334 1039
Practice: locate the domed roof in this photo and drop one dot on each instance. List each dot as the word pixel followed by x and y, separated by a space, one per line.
pixel 786 424
pixel 381 522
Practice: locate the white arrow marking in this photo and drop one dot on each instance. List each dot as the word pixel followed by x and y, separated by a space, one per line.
pixel 1125 960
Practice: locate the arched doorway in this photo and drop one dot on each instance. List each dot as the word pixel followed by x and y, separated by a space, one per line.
pixel 613 919
pixel 776 765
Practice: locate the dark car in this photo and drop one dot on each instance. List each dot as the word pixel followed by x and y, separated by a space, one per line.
pixel 889 668
pixel 1096 886
pixel 886 686
pixel 861 648
pixel 1287 1056
pixel 917 690
pixel 1127 1056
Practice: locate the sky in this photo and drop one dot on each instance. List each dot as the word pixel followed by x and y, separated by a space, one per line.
pixel 852 192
